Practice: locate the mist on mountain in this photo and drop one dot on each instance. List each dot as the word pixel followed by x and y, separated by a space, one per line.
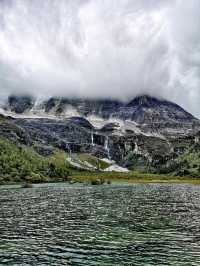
pixel 101 49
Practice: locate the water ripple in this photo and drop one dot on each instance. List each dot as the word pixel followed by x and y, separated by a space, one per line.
pixel 114 225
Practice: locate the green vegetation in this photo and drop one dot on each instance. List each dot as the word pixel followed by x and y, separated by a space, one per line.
pixel 21 163
pixel 97 181
pixel 2 118
pixel 189 163
pixel 131 177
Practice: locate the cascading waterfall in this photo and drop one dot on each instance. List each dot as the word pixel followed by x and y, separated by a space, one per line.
pixel 92 139
pixel 136 150
pixel 106 146
pixel 69 150
pixel 38 106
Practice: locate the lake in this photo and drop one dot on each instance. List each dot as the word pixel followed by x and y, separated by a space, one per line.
pixel 139 224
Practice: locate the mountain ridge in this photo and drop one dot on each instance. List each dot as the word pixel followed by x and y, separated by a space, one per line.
pixel 140 109
pixel 146 134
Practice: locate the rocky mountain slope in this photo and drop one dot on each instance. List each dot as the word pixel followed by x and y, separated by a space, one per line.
pixel 143 109
pixel 143 114
pixel 146 134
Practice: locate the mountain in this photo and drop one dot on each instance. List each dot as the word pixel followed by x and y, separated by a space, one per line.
pixel 145 134
pixel 146 109
pixel 142 114
pixel 142 109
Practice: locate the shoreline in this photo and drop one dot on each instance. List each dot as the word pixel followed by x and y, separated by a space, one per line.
pixel 135 178
pixel 87 180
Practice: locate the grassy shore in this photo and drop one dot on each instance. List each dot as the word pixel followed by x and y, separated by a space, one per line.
pixel 133 177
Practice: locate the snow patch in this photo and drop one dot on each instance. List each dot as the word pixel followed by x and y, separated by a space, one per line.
pixel 80 164
pixel 70 111
pixel 75 164
pixel 116 168
pixel 96 121
pixel 106 160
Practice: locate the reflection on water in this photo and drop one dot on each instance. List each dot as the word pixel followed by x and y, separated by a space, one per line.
pixel 113 225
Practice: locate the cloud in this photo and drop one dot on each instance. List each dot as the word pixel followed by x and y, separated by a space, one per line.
pixel 114 48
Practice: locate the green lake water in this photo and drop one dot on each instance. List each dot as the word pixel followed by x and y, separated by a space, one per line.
pixel 138 224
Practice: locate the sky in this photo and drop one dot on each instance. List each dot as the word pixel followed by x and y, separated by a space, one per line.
pixel 101 49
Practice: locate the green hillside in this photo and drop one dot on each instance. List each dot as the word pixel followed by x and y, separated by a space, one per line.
pixel 20 163
pixel 188 164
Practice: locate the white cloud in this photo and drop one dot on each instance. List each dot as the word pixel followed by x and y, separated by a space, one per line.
pixel 95 48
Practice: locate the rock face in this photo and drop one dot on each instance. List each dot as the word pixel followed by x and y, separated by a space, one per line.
pixel 150 115
pixel 143 109
pixel 143 134
pixel 146 110
pixel 19 104
pixel 102 108
pixel 130 150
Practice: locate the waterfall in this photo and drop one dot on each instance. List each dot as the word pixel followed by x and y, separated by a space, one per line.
pixel 136 150
pixel 92 138
pixel 106 146
pixel 69 150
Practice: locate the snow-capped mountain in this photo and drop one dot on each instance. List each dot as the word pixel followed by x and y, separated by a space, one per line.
pixel 142 109
pixel 144 114
pixel 145 130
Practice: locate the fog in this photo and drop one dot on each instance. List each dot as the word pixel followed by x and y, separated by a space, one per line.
pixel 101 49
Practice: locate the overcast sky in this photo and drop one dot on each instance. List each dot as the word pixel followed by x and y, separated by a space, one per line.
pixel 102 48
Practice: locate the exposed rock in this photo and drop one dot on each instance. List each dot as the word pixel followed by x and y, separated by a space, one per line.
pixel 81 122
pixel 148 110
pixel 14 133
pixel 20 104
pixel 110 127
pixel 151 115
pixel 151 132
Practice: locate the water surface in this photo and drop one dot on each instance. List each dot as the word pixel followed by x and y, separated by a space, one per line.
pixel 106 225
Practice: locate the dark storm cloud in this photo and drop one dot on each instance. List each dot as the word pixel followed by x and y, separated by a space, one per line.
pixel 110 48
